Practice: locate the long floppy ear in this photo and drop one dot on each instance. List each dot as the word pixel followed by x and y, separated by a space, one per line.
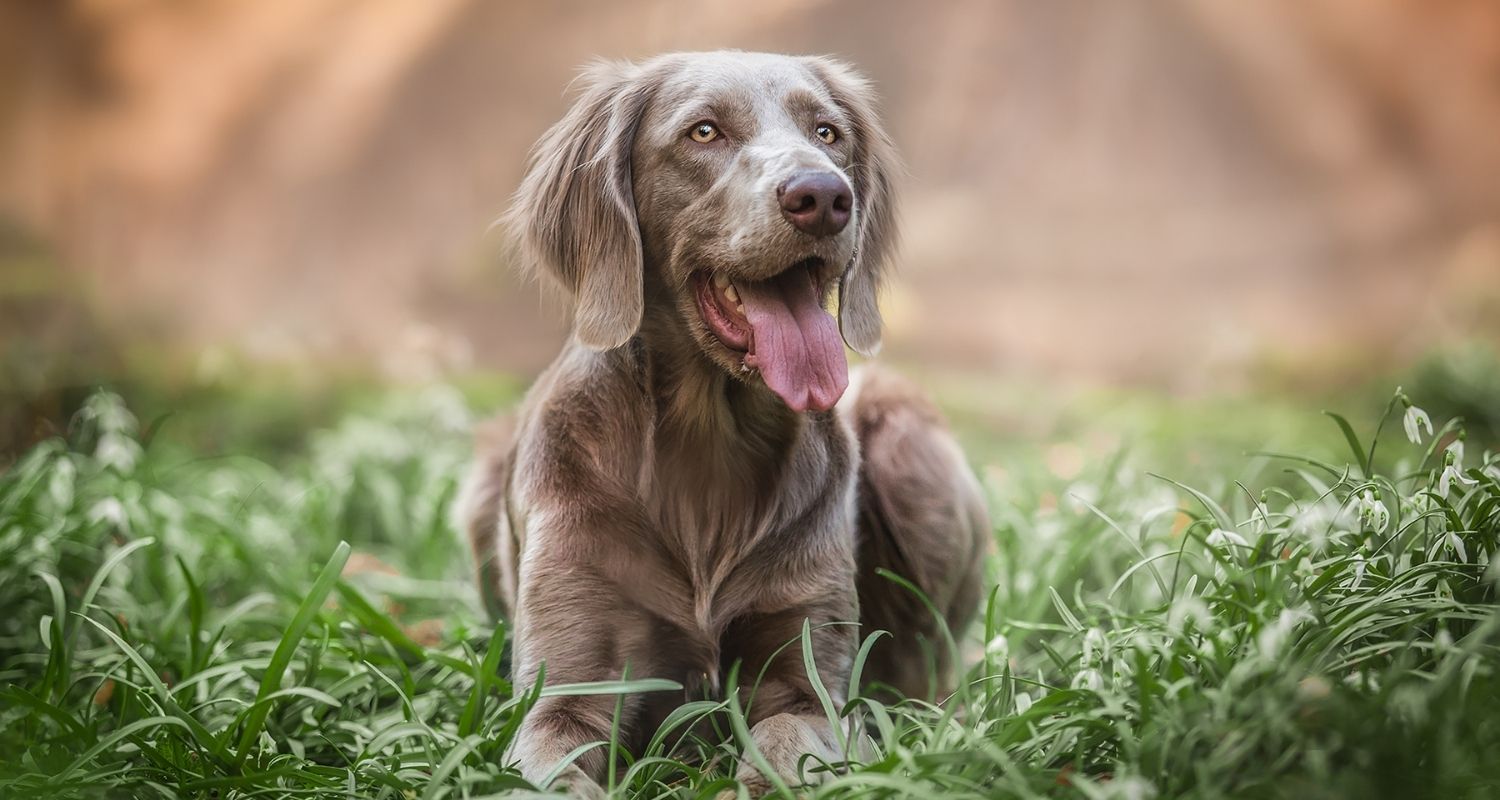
pixel 574 215
pixel 873 171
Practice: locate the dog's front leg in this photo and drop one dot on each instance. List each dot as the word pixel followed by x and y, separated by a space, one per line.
pixel 787 721
pixel 555 726
pixel 573 623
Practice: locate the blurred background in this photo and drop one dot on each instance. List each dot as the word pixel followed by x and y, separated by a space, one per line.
pixel 1186 198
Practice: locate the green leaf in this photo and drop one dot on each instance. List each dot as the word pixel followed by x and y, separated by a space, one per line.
pixel 1360 458
pixel 282 657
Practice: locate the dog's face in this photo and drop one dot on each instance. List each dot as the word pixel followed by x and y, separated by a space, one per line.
pixel 747 185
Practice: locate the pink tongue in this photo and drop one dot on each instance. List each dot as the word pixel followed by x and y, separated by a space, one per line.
pixel 795 342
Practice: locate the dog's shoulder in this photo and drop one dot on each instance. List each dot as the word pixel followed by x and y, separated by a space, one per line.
pixel 588 380
pixel 587 414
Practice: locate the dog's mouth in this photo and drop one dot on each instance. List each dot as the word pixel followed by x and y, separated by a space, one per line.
pixel 783 331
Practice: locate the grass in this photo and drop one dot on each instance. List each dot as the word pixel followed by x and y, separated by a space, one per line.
pixel 187 625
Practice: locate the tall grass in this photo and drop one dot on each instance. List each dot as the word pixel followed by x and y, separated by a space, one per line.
pixel 185 626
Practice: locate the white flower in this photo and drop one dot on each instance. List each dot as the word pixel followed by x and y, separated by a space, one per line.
pixel 1128 787
pixel 107 410
pixel 1419 503
pixel 1088 679
pixel 1185 609
pixel 109 510
pixel 1451 473
pixel 1359 572
pixel 998 646
pixel 117 451
pixel 1456 447
pixel 60 485
pixel 1271 638
pixel 1414 420
pixel 1457 543
pixel 1360 680
pixel 1372 512
pixel 1094 642
pixel 1023 702
pixel 1222 538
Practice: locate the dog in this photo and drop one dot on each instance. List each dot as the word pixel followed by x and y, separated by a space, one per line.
pixel 698 474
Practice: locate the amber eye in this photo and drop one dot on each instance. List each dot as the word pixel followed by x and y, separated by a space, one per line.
pixel 704 132
pixel 827 133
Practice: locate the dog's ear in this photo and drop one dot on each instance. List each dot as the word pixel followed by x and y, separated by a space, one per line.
pixel 574 215
pixel 873 170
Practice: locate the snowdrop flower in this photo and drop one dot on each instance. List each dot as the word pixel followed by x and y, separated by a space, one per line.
pixel 1023 702
pixel 1188 609
pixel 109 510
pixel 1359 572
pixel 998 646
pixel 60 485
pixel 1414 420
pixel 107 410
pixel 1456 447
pixel 1360 680
pixel 1220 537
pixel 1457 543
pixel 1373 513
pixel 117 452
pixel 1419 503
pixel 1452 472
pixel 1088 679
pixel 1094 642
pixel 1129 787
pixel 1274 636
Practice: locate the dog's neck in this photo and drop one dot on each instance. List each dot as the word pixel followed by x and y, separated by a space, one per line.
pixel 707 415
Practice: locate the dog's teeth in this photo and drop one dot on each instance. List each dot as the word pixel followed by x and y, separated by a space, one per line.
pixel 721 281
pixel 731 293
pixel 739 308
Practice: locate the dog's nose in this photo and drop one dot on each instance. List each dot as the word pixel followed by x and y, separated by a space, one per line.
pixel 817 203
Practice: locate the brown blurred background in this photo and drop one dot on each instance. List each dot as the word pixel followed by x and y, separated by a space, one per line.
pixel 1174 192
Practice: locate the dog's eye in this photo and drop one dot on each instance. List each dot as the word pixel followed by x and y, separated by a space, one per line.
pixel 827 133
pixel 704 132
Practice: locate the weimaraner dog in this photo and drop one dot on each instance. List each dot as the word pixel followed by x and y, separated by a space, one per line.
pixel 698 473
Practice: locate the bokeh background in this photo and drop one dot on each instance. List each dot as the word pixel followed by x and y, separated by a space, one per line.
pixel 1184 197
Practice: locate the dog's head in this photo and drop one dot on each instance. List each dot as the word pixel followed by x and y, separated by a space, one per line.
pixel 739 188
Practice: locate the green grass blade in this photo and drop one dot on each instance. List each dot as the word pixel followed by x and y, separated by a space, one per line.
pixel 468 722
pixel 611 687
pixel 809 664
pixel 114 738
pixel 280 659
pixel 1361 459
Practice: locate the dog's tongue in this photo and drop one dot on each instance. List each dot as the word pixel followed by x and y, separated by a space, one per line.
pixel 795 342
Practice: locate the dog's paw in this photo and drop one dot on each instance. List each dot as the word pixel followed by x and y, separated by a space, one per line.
pixel 574 783
pixel 753 785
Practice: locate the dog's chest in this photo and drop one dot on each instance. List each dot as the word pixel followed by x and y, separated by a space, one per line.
pixel 714 538
pixel 740 524
pixel 730 544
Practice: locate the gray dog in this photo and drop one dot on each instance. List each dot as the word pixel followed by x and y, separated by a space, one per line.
pixel 698 473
